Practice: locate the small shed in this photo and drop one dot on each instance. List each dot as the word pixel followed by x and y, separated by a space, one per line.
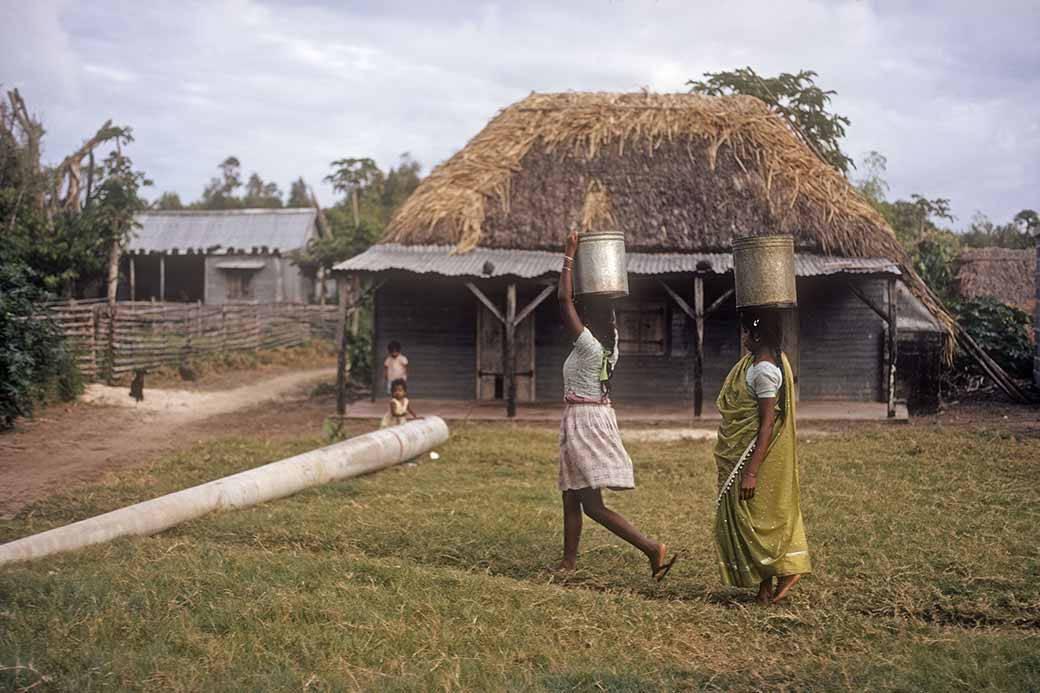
pixel 465 274
pixel 1006 274
pixel 219 257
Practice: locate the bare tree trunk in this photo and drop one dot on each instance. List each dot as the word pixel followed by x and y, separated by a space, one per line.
pixel 113 272
pixel 354 204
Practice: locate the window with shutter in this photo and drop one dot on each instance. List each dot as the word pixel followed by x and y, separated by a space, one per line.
pixel 642 327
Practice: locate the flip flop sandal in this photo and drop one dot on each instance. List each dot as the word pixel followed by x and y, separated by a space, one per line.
pixel 662 570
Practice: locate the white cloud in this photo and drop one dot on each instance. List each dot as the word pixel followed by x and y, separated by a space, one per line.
pixel 947 92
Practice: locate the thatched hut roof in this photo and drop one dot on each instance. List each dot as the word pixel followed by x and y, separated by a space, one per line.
pixel 1008 275
pixel 674 172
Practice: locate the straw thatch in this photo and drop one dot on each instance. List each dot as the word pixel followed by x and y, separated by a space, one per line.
pixel 676 172
pixel 1008 275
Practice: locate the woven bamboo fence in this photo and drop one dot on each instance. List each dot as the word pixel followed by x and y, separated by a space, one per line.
pixel 112 340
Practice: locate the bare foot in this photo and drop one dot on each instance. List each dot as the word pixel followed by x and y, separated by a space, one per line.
pixel 765 592
pixel 784 585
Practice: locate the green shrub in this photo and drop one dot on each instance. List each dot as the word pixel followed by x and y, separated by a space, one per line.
pixel 1002 331
pixel 34 362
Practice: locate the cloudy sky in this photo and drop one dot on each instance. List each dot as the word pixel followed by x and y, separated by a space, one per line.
pixel 947 90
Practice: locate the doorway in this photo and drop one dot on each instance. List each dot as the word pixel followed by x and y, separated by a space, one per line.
pixel 491 384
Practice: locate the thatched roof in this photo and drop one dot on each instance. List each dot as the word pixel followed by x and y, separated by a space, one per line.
pixel 1008 275
pixel 674 172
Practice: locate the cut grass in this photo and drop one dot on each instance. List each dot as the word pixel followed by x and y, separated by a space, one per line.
pixel 433 577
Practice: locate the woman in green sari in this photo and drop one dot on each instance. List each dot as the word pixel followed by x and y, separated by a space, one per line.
pixel 758 522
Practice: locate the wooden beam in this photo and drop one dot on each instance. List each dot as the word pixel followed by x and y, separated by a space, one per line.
pixel 341 358
pixel 867 300
pixel 678 299
pixel 376 369
pixel 893 344
pixel 717 303
pixel 509 350
pixel 530 307
pixel 698 355
pixel 486 301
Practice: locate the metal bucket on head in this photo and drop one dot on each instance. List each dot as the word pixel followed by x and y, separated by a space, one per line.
pixel 600 267
pixel 763 267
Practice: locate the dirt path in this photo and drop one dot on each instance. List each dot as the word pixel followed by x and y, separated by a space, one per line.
pixel 107 429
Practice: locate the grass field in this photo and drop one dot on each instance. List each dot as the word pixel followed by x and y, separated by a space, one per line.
pixel 433 577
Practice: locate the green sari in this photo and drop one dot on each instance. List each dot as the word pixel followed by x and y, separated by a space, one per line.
pixel 762 537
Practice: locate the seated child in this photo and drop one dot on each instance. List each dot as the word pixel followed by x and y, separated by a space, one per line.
pixel 395 367
pixel 400 410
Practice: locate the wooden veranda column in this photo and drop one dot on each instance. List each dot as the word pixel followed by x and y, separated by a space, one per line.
pixel 341 357
pixel 133 280
pixel 698 354
pixel 893 344
pixel 162 278
pixel 376 364
pixel 509 350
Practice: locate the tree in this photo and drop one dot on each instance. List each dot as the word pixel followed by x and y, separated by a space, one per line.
pixel 1028 221
pixel 299 195
pixel 351 176
pixel 34 359
pixel 170 201
pixel 983 233
pixel 54 216
pixel 872 185
pixel 220 192
pixel 794 96
pixel 261 194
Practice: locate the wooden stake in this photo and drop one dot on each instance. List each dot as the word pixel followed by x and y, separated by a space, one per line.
pixel 698 356
pixel 133 280
pixel 162 278
pixel 893 345
pixel 509 351
pixel 376 364
pixel 341 359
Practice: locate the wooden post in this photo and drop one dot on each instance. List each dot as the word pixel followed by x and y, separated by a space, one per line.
pixel 341 359
pixel 223 328
pixel 376 364
pixel 279 281
pixel 93 342
pixel 509 351
pixel 792 345
pixel 110 375
pixel 133 280
pixel 698 353
pixel 162 278
pixel 893 342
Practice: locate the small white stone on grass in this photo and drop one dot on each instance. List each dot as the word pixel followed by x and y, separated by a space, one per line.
pixel 434 455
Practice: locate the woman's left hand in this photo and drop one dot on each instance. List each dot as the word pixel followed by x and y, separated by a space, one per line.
pixel 571 246
pixel 747 486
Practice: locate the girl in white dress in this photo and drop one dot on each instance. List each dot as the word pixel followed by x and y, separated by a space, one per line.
pixel 400 409
pixel 592 456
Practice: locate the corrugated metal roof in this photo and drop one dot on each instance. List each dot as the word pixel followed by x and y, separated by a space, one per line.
pixel 527 264
pixel 278 230
pixel 242 264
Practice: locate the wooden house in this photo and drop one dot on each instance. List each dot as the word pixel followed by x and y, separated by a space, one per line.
pixel 465 274
pixel 235 256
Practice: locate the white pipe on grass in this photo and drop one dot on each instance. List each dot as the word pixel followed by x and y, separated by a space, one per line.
pixel 361 455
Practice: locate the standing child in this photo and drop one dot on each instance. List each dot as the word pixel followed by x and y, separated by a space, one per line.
pixel 395 367
pixel 400 410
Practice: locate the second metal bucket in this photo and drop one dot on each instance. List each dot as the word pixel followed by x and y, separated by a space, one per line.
pixel 763 267
pixel 600 266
